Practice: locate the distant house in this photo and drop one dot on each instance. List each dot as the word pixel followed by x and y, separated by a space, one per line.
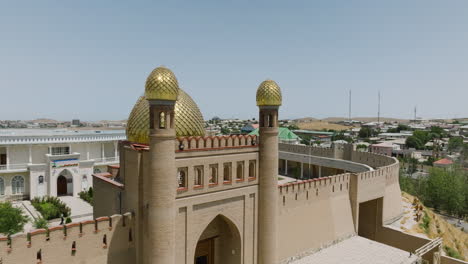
pixel 284 135
pixel 321 136
pixel 464 130
pixel 249 128
pixel 384 148
pixel 443 163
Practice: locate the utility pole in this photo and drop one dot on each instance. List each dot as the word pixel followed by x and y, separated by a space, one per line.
pixel 378 111
pixel 349 110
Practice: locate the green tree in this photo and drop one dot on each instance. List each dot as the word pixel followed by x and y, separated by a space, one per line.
pixel 455 143
pixel 437 132
pixel 403 127
pixel 446 190
pixel 12 220
pixel 293 127
pixel 423 136
pixel 225 131
pixel 414 142
pixel 367 132
pixel 413 165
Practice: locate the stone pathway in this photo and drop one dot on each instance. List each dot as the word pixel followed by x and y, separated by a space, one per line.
pixel 358 250
pixel 79 208
pixel 285 179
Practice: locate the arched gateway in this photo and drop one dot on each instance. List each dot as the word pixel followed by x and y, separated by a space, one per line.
pixel 65 183
pixel 220 242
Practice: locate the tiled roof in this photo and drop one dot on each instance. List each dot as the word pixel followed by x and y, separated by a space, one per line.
pixel 444 162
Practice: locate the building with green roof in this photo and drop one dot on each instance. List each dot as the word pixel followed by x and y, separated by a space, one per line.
pixel 284 134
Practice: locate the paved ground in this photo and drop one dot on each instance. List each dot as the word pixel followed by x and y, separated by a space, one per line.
pixel 80 211
pixel 285 179
pixel 358 250
pixel 31 214
pixel 79 208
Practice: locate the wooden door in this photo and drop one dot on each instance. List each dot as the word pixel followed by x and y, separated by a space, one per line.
pixel 2 159
pixel 204 253
pixel 61 185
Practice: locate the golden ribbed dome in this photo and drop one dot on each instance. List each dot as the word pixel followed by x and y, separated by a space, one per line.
pixel 188 119
pixel 161 85
pixel 269 93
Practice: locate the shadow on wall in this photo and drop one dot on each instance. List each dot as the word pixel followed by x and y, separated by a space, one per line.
pixel 119 250
pixel 219 243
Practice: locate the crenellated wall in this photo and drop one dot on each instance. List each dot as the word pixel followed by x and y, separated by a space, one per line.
pixel 318 212
pixel 94 241
pixel 313 213
pixel 215 142
pixel 302 149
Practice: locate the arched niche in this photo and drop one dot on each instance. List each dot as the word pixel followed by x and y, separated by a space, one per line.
pixel 220 242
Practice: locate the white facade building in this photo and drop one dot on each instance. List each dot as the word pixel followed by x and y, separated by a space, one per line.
pixel 38 162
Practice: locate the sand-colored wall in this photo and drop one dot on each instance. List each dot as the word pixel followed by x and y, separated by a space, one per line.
pixel 449 260
pixel 403 241
pixel 106 200
pixel 313 214
pixel 239 209
pixel 56 247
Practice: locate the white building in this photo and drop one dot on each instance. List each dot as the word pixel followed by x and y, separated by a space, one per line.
pixel 38 162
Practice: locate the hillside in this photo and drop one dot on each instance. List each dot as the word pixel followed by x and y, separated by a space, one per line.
pixel 367 119
pixel 432 225
pixel 321 125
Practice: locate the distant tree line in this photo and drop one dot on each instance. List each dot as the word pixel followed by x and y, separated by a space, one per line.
pixel 445 190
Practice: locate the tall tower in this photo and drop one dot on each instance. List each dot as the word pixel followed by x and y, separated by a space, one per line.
pixel 268 100
pixel 161 91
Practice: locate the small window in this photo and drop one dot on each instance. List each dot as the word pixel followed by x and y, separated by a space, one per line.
pixel 162 120
pixel 227 172
pixel 60 150
pixel 199 176
pixel 240 171
pixel 252 169
pixel 39 255
pixel 213 174
pixel 2 186
pixel 17 185
pixel 182 178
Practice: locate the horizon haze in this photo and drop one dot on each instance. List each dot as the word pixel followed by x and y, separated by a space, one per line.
pixel 89 60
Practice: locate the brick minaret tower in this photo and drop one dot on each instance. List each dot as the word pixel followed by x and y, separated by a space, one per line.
pixel 161 91
pixel 268 100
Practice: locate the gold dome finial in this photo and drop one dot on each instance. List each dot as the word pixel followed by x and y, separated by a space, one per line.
pixel 269 93
pixel 161 85
pixel 188 119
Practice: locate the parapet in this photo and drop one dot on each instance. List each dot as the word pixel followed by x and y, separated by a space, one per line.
pixel 307 150
pixel 67 240
pixel 304 191
pixel 215 142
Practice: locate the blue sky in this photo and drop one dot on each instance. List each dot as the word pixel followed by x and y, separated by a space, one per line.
pixel 90 59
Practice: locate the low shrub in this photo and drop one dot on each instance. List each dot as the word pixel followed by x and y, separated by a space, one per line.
pixel 51 207
pixel 426 220
pixel 41 223
pixel 452 252
pixel 87 195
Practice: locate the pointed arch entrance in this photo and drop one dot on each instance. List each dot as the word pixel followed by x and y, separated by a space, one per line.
pixel 65 183
pixel 220 243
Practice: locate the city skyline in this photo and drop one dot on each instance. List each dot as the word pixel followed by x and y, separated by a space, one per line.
pixel 74 61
